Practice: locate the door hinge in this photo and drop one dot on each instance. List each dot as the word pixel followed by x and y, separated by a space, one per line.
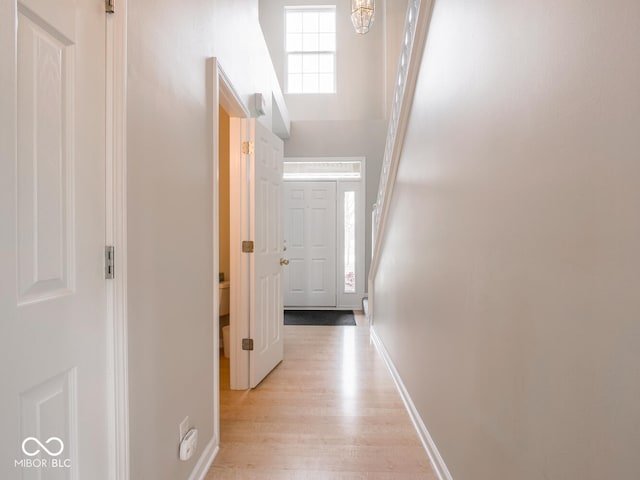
pixel 109 6
pixel 109 262
pixel 247 344
pixel 248 148
pixel 247 246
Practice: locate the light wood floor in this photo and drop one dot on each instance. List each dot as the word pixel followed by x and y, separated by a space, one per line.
pixel 330 410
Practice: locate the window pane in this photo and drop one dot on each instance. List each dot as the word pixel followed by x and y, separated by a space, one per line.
pixel 327 42
pixel 294 42
pixel 310 21
pixel 325 63
pixel 310 42
pixel 310 83
pixel 349 242
pixel 310 63
pixel 325 83
pixel 294 22
pixel 295 63
pixel 327 21
pixel 314 170
pixel 295 83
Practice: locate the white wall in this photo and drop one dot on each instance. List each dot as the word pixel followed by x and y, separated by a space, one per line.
pixel 170 194
pixel 507 292
pixel 353 121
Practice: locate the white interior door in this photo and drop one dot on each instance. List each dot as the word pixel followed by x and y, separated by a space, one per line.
pixel 310 237
pixel 53 324
pixel 266 310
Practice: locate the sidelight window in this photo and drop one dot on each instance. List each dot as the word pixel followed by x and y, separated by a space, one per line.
pixel 349 242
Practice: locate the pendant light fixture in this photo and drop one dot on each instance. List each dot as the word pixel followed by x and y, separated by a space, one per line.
pixel 362 14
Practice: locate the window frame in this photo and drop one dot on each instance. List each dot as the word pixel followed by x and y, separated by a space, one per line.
pixel 302 53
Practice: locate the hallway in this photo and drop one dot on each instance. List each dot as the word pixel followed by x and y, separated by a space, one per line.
pixel 329 410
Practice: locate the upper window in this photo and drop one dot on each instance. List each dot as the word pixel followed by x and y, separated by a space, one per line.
pixel 322 170
pixel 311 49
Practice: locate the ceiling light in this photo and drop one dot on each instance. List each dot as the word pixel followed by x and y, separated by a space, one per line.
pixel 362 14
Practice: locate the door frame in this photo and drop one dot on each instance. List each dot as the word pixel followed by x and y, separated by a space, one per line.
pixel 239 263
pixel 342 185
pixel 225 95
pixel 116 235
pixel 360 187
pixel 242 128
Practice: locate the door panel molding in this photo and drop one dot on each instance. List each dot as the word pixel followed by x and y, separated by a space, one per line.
pixel 45 161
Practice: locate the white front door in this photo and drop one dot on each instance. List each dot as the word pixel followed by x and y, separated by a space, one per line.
pixel 54 398
pixel 310 237
pixel 266 308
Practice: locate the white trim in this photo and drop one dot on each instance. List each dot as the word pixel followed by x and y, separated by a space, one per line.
pixel 303 8
pixel 213 81
pixel 221 94
pixel 226 96
pixel 324 159
pixel 343 299
pixel 116 235
pixel 240 274
pixel 429 445
pixel 328 309
pixel 209 454
pixel 247 216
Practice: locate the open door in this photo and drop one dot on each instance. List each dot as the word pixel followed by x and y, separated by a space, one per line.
pixel 56 395
pixel 266 306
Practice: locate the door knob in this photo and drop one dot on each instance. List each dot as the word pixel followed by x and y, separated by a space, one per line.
pixel 284 261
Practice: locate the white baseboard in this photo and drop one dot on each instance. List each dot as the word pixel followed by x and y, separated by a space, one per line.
pixel 204 462
pixel 427 442
pixel 339 307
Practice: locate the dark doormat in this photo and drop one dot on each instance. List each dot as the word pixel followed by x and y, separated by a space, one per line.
pixel 319 317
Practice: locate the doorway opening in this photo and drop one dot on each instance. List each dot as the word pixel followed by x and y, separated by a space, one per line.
pixel 247 178
pixel 324 232
pixel 229 120
pixel 224 252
